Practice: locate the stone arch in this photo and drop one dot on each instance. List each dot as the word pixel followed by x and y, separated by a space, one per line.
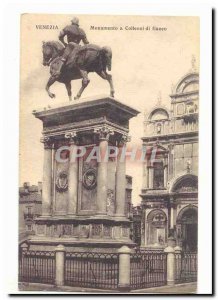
pixel 156 227
pixel 187 228
pixel 182 180
pixel 185 210
pixel 154 212
pixel 184 84
pixel 161 111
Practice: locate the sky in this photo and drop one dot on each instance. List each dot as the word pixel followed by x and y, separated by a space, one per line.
pixel 145 66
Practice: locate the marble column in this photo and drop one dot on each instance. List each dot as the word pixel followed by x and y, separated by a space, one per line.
pixel 171 160
pixel 47 177
pixel 101 203
pixel 72 176
pixel 151 177
pixel 145 225
pixel 142 233
pixel 165 175
pixel 147 235
pixel 172 217
pixel 145 175
pixel 121 178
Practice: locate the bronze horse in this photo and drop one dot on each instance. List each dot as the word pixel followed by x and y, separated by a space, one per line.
pixel 90 58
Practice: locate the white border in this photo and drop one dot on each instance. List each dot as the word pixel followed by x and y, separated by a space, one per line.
pixel 10 99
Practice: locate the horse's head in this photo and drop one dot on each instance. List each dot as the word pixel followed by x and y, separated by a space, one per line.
pixel 51 50
pixel 107 55
pixel 47 52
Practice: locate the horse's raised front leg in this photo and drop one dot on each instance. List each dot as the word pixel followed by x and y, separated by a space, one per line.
pixel 85 82
pixel 108 77
pixel 51 80
pixel 68 87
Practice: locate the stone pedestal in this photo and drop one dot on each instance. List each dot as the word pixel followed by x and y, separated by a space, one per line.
pixel 151 177
pixel 59 268
pixel 170 265
pixel 83 198
pixel 124 268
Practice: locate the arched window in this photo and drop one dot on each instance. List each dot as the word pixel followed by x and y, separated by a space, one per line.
pixel 180 109
pixel 186 183
pixel 187 228
pixel 192 86
pixel 158 114
pixel 158 180
pixel 156 227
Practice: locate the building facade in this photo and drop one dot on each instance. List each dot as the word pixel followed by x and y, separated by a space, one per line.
pixel 170 170
pixel 30 207
pixel 128 195
pixel 136 224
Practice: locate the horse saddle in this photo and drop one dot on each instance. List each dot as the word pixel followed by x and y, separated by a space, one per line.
pixel 78 54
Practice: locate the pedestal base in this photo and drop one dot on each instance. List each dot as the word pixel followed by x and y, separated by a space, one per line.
pixel 124 288
pixel 76 245
pixel 82 233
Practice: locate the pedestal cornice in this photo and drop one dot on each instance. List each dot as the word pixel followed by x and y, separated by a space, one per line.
pixel 100 106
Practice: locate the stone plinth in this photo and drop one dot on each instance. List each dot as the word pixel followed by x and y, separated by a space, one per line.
pixel 81 202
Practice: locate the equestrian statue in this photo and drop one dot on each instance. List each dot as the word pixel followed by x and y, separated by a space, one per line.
pixel 70 61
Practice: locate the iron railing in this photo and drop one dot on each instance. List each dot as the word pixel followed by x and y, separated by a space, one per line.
pixel 94 270
pixel 101 270
pixel 148 269
pixel 186 267
pixel 37 266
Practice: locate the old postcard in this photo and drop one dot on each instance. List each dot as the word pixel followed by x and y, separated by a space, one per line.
pixel 109 113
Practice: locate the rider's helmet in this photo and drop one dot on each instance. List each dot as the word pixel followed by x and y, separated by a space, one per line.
pixel 75 21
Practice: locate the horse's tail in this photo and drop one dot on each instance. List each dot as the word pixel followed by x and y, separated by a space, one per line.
pixel 106 54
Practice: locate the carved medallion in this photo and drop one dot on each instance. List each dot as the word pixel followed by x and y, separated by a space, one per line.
pixel 90 179
pixel 62 182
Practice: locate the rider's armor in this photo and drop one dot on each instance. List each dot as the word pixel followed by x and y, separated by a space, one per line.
pixel 74 34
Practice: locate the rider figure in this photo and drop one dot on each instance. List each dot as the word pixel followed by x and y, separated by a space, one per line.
pixel 74 36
